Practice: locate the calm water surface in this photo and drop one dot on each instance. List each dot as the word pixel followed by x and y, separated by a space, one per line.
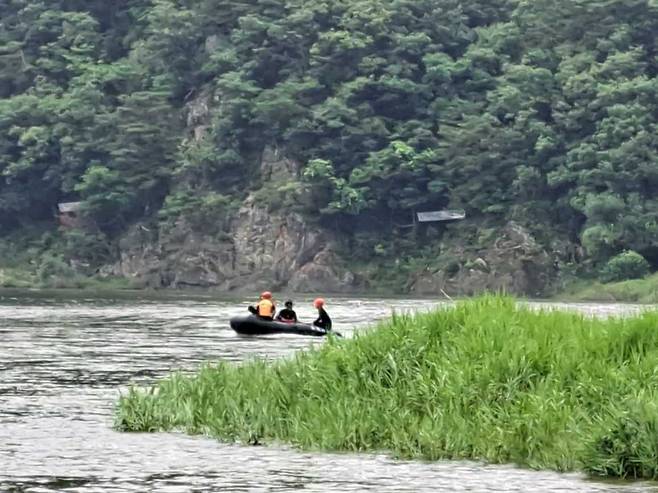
pixel 63 363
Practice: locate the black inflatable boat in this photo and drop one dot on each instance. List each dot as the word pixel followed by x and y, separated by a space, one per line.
pixel 253 325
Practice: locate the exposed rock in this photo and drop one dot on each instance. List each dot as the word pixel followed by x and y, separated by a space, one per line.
pixel 276 167
pixel 481 264
pixel 198 114
pixel 269 248
pixel 275 251
pixel 262 250
pixel 515 264
pixel 321 275
pixel 213 43
pixel 138 257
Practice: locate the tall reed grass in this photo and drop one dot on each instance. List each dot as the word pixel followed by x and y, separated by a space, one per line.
pixel 486 380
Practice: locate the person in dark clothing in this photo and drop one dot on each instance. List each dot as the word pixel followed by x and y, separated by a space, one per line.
pixel 323 321
pixel 287 315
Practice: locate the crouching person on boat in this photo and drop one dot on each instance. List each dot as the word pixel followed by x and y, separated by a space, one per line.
pixel 323 321
pixel 287 315
pixel 265 308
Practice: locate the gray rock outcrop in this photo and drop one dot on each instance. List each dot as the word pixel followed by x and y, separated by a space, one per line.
pixel 262 250
pixel 515 264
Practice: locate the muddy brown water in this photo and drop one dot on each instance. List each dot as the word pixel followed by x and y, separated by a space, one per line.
pixel 65 358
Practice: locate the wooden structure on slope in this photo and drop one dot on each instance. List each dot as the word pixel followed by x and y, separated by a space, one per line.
pixel 446 215
pixel 69 215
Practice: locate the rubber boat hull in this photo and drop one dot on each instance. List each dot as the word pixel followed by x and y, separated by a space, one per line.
pixel 252 325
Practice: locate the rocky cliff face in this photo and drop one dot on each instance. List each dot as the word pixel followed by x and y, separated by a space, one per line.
pixel 276 250
pixel 261 250
pixel 264 251
pixel 515 264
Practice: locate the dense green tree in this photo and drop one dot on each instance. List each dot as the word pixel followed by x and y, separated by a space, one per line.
pixel 540 111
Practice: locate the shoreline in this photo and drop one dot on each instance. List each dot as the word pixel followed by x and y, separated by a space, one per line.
pixel 636 291
pixel 641 291
pixel 485 380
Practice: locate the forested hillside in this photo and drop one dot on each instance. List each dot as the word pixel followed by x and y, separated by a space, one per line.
pixel 539 112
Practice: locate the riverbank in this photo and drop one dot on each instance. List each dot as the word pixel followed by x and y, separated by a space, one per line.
pixel 485 380
pixel 633 291
pixel 17 278
pixel 45 258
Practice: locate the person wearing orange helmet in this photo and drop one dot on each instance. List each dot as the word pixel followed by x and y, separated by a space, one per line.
pixel 265 307
pixel 323 321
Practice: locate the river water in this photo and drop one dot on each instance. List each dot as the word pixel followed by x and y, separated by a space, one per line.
pixel 65 359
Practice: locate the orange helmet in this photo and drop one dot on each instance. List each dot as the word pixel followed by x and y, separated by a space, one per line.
pixel 318 302
pixel 266 295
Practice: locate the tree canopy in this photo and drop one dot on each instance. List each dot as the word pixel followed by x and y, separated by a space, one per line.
pixel 540 111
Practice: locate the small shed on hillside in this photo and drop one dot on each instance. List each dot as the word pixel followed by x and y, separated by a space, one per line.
pixel 445 215
pixel 69 215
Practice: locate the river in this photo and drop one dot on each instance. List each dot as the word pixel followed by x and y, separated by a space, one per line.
pixel 65 359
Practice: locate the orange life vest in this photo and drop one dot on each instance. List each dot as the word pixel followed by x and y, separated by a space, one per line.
pixel 266 308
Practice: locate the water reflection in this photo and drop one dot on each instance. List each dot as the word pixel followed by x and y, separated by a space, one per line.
pixel 63 363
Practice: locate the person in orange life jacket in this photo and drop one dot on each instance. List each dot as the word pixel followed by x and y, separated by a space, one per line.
pixel 287 315
pixel 265 307
pixel 323 321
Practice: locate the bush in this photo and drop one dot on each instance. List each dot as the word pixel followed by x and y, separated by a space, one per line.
pixel 626 265
pixel 91 248
pixel 54 267
pixel 209 211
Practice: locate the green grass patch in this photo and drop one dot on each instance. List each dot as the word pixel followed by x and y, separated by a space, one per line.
pixel 43 257
pixel 633 291
pixel 11 277
pixel 485 380
pixel 19 278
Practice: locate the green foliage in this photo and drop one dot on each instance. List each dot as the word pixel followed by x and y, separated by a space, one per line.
pixel 88 248
pixel 508 110
pixel 105 196
pixel 54 267
pixel 42 256
pixel 483 380
pixel 627 442
pixel 210 211
pixel 626 265
pixel 286 196
pixel 637 290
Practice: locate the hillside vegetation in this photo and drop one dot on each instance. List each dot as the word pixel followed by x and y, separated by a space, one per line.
pixel 541 112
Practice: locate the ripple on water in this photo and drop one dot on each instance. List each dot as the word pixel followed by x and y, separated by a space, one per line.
pixel 63 364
